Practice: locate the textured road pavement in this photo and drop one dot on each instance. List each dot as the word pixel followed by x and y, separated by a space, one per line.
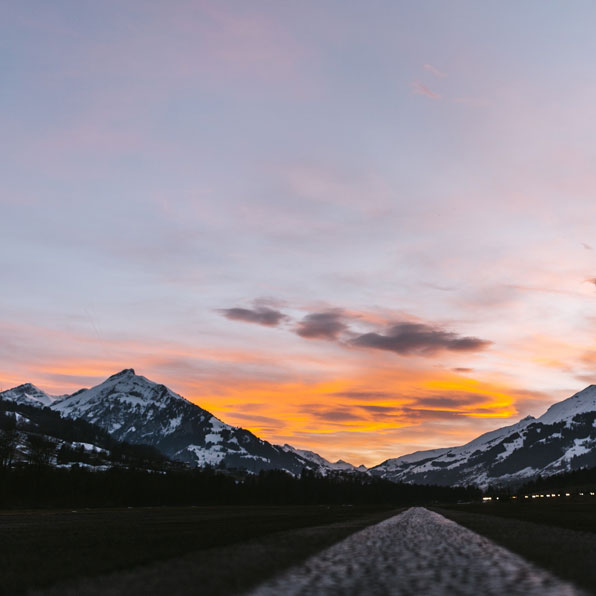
pixel 418 552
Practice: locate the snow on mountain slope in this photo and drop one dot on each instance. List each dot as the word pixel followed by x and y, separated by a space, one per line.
pixel 136 410
pixel 582 402
pixel 124 391
pixel 563 438
pixel 324 465
pixel 30 395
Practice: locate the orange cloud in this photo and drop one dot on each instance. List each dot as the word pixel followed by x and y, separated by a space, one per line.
pixel 344 403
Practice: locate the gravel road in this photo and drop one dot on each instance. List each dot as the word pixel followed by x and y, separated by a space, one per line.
pixel 418 552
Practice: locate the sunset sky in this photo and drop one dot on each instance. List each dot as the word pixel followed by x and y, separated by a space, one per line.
pixel 362 229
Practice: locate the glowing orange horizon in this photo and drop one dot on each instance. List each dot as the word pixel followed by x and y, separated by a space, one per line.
pixel 369 417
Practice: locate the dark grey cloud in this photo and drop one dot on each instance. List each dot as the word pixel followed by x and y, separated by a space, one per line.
pixel 339 414
pixel 263 315
pixel 462 400
pixel 364 395
pixel 322 325
pixel 257 419
pixel 386 410
pixel 418 338
pixel 425 415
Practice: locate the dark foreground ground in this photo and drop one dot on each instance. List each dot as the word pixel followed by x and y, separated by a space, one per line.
pixel 173 551
pixel 416 553
pixel 166 550
pixel 560 536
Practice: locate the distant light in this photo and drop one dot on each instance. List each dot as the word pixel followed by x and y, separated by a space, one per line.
pixel 526 497
pixel 487 498
pixel 567 494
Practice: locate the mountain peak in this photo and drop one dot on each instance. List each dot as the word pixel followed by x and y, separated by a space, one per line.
pixel 29 394
pixel 27 387
pixel 587 391
pixel 135 409
pixel 127 372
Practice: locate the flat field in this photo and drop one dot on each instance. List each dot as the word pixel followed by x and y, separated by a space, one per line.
pixel 558 536
pixel 63 548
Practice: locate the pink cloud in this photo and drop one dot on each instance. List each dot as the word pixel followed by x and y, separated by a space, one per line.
pixel 435 71
pixel 421 89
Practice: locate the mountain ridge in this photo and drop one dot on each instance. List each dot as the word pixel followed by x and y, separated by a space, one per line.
pixel 562 439
pixel 137 410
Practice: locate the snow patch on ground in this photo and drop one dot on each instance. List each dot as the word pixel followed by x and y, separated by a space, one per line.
pixel 89 447
pixel 206 457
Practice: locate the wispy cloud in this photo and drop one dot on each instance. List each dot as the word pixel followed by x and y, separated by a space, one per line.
pixel 421 89
pixel 435 71
pixel 474 102
pixel 366 395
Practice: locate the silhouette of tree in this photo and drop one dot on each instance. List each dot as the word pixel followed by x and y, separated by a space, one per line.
pixel 40 450
pixel 8 441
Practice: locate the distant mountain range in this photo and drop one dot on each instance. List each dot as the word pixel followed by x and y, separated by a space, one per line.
pixel 136 410
pixel 562 439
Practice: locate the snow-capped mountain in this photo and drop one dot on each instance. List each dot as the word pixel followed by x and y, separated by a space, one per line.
pixel 31 395
pixel 562 439
pixel 136 410
pixel 323 465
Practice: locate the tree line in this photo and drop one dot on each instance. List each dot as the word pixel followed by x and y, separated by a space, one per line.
pixel 32 486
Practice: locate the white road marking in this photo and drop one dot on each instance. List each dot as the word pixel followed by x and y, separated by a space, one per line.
pixel 418 552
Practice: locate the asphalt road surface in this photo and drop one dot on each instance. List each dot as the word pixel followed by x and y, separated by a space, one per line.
pixel 417 552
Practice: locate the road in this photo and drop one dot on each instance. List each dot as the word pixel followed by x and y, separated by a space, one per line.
pixel 418 552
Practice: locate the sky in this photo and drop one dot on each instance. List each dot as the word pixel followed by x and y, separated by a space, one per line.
pixel 361 229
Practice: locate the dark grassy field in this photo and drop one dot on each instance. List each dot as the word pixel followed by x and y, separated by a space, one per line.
pixel 41 548
pixel 558 536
